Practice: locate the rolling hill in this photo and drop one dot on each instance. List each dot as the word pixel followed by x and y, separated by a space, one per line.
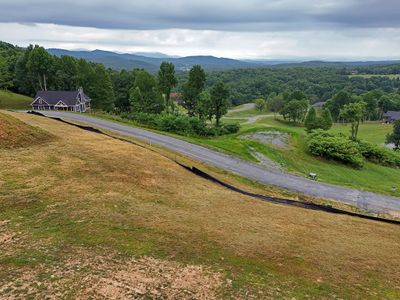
pixel 151 61
pixel 131 61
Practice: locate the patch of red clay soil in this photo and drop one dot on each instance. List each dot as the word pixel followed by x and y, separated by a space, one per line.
pixel 156 279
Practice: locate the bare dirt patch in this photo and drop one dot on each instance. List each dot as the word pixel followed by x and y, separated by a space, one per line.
pixel 273 137
pixel 85 275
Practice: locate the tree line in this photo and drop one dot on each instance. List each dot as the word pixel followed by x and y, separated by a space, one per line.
pixel 319 84
pixel 29 70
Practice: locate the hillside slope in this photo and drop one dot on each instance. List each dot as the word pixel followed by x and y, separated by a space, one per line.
pixel 17 134
pixel 10 100
pixel 89 216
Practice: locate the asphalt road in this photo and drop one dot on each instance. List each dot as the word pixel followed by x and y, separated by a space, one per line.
pixel 365 200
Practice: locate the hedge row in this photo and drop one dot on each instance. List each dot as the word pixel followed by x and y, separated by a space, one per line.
pixel 179 124
pixel 342 149
pixel 336 147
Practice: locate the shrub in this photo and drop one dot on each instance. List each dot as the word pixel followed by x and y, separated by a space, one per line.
pixel 335 147
pixel 231 128
pixel 180 124
pixel 378 154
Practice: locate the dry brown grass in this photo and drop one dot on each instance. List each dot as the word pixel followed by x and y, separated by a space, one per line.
pixel 88 190
pixel 16 134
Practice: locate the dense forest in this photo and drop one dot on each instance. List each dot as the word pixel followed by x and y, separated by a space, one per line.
pixel 319 84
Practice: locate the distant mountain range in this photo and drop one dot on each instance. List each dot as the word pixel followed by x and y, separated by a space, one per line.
pixel 151 61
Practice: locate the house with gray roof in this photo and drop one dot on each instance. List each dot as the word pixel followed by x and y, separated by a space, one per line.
pixel 391 116
pixel 61 100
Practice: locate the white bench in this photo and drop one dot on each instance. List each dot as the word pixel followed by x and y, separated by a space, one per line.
pixel 313 176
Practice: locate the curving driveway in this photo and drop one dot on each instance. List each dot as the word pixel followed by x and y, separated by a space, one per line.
pixel 364 200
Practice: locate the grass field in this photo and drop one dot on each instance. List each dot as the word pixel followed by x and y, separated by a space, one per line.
pixel 9 100
pixel 391 76
pixel 374 132
pixel 247 113
pixel 85 216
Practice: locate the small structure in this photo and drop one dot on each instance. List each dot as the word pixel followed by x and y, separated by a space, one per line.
pixel 391 116
pixel 313 176
pixel 318 104
pixel 61 100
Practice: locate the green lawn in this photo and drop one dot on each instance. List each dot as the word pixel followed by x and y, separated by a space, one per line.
pixel 247 113
pixel 10 100
pixel 373 132
pixel 391 76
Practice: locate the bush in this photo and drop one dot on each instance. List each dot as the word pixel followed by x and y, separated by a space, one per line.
pixel 379 154
pixel 335 147
pixel 179 124
pixel 231 128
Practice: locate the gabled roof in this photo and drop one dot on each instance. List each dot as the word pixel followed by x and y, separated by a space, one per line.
pixel 394 115
pixel 70 98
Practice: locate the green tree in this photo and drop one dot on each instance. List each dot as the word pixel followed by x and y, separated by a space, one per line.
pixel 5 75
pixel 66 73
pixel 219 101
pixel 260 104
pixel 353 113
pixel 311 121
pixel 166 81
pixel 40 64
pixel 295 110
pixel 337 102
pixel 205 110
pixel 23 79
pixel 394 137
pixel 122 83
pixel 326 119
pixel 101 89
pixel 193 88
pixel 145 95
pixel 275 103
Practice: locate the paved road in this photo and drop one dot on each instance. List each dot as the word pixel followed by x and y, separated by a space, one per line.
pixel 364 200
pixel 244 107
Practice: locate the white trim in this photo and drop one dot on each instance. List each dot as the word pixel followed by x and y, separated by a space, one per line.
pixel 61 105
pixel 41 99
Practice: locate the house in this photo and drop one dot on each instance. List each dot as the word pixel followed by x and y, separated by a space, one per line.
pixel 177 97
pixel 61 100
pixel 391 116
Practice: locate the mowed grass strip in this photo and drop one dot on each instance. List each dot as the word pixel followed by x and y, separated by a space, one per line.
pixel 87 191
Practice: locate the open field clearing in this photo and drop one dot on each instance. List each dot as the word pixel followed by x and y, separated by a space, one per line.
pixel 84 215
pixel 10 100
pixel 390 76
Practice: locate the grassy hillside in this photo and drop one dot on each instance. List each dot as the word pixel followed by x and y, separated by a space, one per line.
pixel 16 134
pixel 88 216
pixel 10 100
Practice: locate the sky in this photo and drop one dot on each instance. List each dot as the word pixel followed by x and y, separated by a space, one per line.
pixel 252 29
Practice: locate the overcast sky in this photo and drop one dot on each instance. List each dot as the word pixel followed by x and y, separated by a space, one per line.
pixel 271 29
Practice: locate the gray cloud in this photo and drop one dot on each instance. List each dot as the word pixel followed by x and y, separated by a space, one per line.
pixel 225 15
